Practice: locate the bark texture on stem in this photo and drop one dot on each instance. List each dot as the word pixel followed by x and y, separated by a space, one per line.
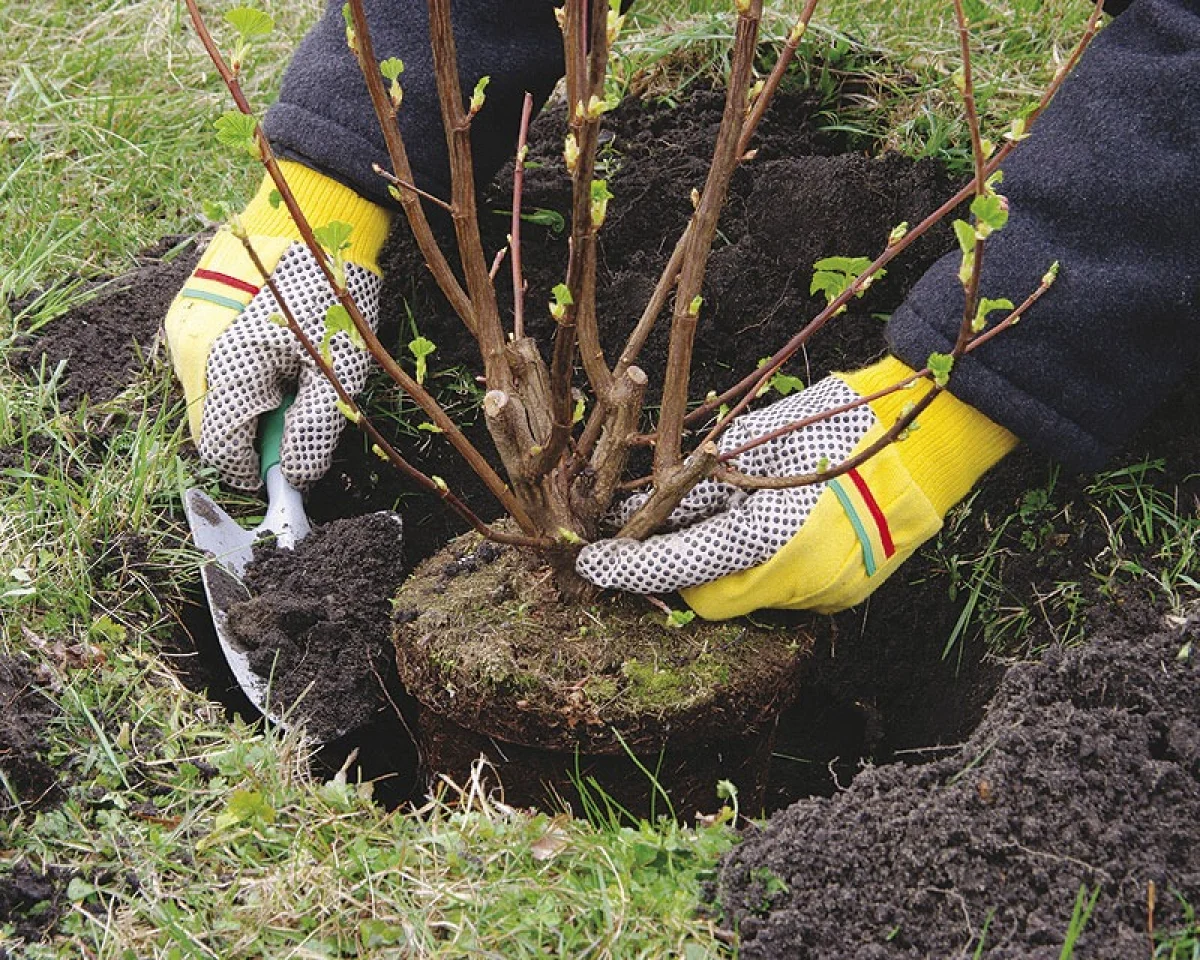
pixel 701 232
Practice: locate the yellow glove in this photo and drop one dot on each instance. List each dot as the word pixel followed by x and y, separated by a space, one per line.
pixel 235 362
pixel 823 547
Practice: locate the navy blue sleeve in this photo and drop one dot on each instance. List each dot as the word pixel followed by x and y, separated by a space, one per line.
pixel 323 116
pixel 1108 184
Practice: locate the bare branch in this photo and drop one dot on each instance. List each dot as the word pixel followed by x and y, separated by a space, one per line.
pixel 514 238
pixel 385 114
pixel 767 94
pixel 704 226
pixel 749 386
pixel 378 352
pixel 669 490
pixel 399 184
pixel 358 416
pixel 455 121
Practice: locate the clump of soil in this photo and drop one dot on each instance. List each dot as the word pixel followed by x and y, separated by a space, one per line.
pixel 24 713
pixel 33 901
pixel 317 622
pixel 486 645
pixel 1085 771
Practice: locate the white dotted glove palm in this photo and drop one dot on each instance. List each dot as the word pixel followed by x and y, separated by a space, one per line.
pixel 235 359
pixel 725 529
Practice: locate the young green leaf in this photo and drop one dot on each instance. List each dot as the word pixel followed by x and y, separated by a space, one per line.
pixel 784 384
pixel 600 197
pixel 478 97
pixel 940 365
pixel 347 411
pixel 334 236
pixel 571 152
pixel 274 198
pixel 547 218
pixel 551 219
pixel 991 214
pixel 966 236
pixel 986 306
pixel 678 619
pixel 833 276
pixel 251 24
pixel 337 320
pixel 217 211
pixel 391 68
pixel 562 300
pixel 236 129
pixel 421 348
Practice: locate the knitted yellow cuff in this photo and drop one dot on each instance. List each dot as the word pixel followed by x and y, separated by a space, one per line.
pixel 952 445
pixel 322 200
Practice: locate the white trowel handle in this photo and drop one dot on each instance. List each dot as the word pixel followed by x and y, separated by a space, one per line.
pixel 285 504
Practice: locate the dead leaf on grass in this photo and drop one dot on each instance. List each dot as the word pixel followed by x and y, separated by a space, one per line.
pixel 551 843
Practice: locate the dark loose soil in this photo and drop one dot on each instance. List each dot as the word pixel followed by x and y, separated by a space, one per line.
pixel 318 623
pixel 103 342
pixel 1085 771
pixel 24 713
pixel 32 901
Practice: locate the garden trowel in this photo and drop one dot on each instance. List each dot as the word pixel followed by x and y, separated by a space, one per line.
pixel 230 548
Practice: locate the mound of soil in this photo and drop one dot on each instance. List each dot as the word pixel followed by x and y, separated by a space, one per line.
pixel 317 623
pixel 24 713
pixel 103 341
pixel 1085 771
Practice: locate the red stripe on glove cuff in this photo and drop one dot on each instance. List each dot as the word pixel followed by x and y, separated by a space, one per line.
pixel 226 279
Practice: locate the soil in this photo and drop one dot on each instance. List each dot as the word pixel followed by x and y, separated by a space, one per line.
pixel 33 901
pixel 1085 772
pixel 24 713
pixel 1084 752
pixel 103 343
pixel 317 623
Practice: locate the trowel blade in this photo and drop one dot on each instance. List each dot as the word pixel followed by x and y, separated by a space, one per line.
pixel 229 547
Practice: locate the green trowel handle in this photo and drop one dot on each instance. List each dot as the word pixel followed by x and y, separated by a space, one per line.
pixel 270 435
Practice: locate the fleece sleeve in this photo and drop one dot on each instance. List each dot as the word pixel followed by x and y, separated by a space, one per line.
pixel 323 116
pixel 1108 184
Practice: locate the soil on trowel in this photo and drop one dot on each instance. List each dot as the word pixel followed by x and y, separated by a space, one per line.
pixel 317 623
pixel 1085 773
pixel 24 713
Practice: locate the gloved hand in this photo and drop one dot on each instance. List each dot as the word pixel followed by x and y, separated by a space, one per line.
pixel 235 362
pixel 823 547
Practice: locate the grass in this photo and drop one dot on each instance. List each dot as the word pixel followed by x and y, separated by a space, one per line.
pixel 183 834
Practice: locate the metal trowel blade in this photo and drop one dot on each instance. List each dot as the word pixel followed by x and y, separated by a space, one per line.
pixel 229 548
